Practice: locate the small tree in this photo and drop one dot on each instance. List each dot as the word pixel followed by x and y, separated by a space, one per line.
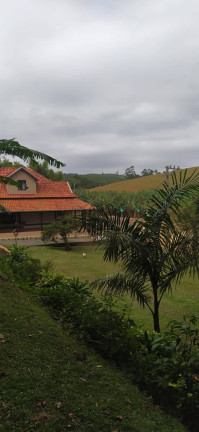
pixel 61 227
pixel 154 252
pixel 130 172
pixel 147 172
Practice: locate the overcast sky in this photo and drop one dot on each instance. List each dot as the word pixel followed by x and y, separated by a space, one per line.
pixel 102 84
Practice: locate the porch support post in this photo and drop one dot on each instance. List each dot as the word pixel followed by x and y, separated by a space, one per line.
pixel 17 220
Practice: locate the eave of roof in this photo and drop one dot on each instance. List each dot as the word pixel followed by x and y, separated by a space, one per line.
pixel 22 169
pixel 45 204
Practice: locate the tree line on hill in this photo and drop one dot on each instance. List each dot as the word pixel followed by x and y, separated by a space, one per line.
pixel 131 174
pixel 79 181
pixel 134 202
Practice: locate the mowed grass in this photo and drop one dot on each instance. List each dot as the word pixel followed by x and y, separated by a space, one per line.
pixel 46 388
pixel 139 184
pixel 183 300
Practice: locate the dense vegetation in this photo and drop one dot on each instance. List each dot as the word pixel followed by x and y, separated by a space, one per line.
pixel 76 181
pixel 91 266
pixel 154 252
pixel 89 181
pixel 122 200
pixel 52 382
pixel 131 174
pixel 165 365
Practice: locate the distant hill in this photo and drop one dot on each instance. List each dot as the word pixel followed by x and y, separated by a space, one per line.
pixel 88 181
pixel 139 184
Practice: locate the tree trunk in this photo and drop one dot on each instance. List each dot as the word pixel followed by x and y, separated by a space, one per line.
pixel 156 322
pixel 66 244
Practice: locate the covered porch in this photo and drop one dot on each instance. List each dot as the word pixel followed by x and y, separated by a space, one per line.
pixel 32 221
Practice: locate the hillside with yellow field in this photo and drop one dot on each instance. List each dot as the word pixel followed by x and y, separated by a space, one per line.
pixel 141 183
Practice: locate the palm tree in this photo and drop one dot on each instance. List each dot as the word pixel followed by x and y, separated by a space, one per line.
pixel 154 252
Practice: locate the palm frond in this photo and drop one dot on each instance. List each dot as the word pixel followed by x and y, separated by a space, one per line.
pixel 8 180
pixel 4 209
pixel 13 148
pixel 105 219
pixel 120 284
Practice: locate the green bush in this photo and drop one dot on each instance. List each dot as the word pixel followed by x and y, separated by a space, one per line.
pixel 170 368
pixel 18 254
pixel 166 365
pixel 21 268
pixel 110 333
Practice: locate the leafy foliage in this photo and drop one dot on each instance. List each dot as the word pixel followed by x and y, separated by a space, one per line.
pixel 13 148
pixel 130 172
pixel 96 322
pixel 20 267
pixel 170 368
pixel 43 168
pixel 166 365
pixel 189 214
pixel 147 172
pixel 4 162
pixel 153 251
pixel 18 254
pixel 61 227
pixel 46 386
pixel 89 181
pixel 121 200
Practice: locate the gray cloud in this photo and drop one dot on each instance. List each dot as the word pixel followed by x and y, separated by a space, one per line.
pixel 102 85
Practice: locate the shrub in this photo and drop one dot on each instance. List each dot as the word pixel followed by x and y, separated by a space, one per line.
pixel 21 268
pixel 170 368
pixel 60 228
pixel 166 365
pixel 110 333
pixel 18 254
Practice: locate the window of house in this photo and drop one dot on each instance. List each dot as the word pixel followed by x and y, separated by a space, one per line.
pixel 22 185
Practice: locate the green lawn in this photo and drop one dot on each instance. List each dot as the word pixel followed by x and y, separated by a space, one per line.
pixel 183 300
pixel 46 388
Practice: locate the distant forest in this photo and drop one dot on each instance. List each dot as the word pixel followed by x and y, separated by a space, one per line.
pixel 80 181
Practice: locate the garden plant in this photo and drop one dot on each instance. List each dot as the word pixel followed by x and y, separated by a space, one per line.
pixel 154 252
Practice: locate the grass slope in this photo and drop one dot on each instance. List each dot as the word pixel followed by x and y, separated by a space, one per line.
pixel 44 387
pixel 139 184
pixel 183 300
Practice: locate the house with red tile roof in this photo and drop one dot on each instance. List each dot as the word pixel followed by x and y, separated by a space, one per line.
pixel 36 201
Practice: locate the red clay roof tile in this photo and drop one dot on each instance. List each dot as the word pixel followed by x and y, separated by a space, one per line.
pixel 50 195
pixel 44 204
